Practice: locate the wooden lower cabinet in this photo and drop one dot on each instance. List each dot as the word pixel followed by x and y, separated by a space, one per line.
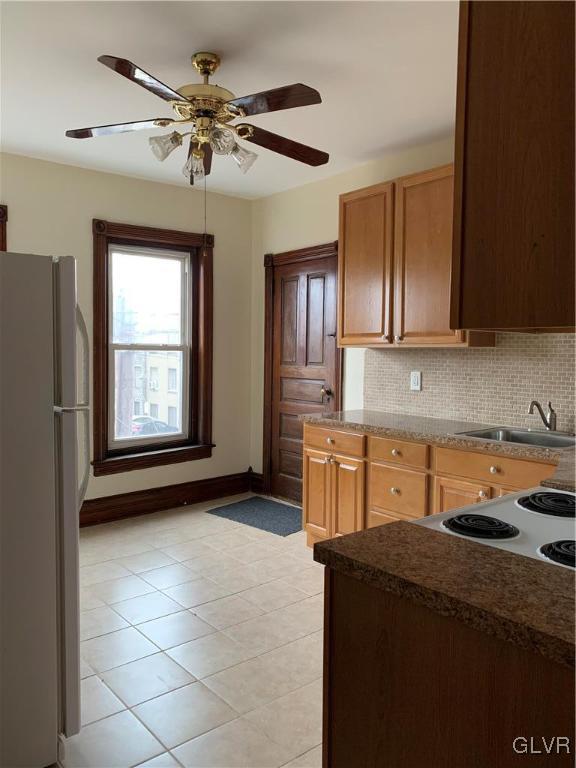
pixel 347 494
pixel 316 494
pixel 450 493
pixel 333 494
pixel 395 494
pixel 361 483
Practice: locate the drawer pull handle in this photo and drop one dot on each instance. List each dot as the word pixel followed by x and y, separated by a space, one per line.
pixel 395 491
pixel 330 440
pixel 396 452
pixel 482 495
pixel 494 470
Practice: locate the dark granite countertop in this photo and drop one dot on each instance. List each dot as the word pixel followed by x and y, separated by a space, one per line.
pixel 515 598
pixel 446 432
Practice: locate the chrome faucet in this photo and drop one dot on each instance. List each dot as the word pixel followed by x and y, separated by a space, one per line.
pixel 549 419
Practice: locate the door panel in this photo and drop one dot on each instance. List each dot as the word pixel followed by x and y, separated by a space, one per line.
pixel 423 258
pixel 453 494
pixel 365 266
pixel 347 490
pixel 304 362
pixel 316 502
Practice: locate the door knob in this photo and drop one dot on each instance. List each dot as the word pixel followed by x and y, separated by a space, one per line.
pixel 326 392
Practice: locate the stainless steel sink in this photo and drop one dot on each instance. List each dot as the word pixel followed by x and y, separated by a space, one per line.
pixel 525 436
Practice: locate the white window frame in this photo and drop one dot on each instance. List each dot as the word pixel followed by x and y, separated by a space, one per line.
pixel 184 347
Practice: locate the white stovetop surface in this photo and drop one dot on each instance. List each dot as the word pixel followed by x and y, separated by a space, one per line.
pixel 535 529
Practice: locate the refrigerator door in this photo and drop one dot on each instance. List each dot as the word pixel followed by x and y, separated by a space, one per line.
pixel 29 660
pixel 68 497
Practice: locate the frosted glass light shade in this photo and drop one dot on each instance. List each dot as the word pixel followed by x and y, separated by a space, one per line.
pixel 222 140
pixel 244 158
pixel 195 167
pixel 163 145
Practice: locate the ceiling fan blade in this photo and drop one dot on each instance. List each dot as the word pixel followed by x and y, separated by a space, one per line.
pixel 207 158
pixel 190 148
pixel 287 97
pixel 140 77
pixel 284 146
pixel 105 130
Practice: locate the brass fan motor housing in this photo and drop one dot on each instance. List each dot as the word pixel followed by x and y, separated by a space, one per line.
pixel 205 99
pixel 205 62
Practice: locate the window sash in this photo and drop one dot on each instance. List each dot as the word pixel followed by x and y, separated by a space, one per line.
pixel 184 348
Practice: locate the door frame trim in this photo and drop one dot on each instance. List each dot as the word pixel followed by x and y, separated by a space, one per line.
pixel 272 260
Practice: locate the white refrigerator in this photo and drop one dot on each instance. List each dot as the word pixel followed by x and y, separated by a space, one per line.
pixel 44 464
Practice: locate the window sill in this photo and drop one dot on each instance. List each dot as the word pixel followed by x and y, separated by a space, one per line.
pixel 130 462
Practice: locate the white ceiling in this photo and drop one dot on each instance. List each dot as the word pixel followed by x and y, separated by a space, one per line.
pixel 386 72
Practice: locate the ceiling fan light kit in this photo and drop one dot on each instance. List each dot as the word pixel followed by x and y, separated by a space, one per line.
pixel 163 145
pixel 209 110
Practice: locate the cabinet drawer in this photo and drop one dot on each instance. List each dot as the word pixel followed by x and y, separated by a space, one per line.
pixel 398 491
pixel 348 443
pixel 497 470
pixel 398 451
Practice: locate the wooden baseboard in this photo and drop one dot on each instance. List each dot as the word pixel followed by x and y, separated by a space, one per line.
pixel 123 505
pixel 256 481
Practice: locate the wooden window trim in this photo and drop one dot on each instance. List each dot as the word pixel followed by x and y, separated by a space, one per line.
pixel 3 220
pixel 199 445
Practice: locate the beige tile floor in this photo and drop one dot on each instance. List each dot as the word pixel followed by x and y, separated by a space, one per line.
pixel 201 645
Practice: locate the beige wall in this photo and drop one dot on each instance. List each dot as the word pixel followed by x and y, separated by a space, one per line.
pixel 51 207
pixel 308 216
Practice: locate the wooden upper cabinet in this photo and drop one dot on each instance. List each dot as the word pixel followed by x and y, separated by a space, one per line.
pixel 365 266
pixel 423 259
pixel 394 271
pixel 514 167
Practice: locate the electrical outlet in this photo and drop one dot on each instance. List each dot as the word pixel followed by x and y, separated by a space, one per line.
pixel 416 381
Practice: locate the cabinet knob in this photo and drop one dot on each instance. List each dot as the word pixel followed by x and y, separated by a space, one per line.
pixel 330 440
pixel 395 491
pixel 387 337
pixel 398 339
pixel 482 495
pixel 396 452
pixel 494 470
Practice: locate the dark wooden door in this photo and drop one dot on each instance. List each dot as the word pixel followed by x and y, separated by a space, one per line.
pixel 305 362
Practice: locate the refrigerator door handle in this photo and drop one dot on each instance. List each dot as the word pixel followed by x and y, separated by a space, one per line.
pixel 84 406
pixel 86 477
pixel 85 356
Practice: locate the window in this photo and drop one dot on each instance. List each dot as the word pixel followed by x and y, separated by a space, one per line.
pixel 152 331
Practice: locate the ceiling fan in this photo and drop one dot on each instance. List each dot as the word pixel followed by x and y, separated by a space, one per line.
pixel 209 111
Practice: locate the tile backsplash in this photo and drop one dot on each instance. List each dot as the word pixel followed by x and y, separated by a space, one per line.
pixel 493 385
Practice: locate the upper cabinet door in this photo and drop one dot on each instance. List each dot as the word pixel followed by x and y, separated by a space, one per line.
pixel 514 167
pixel 365 267
pixel 423 258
